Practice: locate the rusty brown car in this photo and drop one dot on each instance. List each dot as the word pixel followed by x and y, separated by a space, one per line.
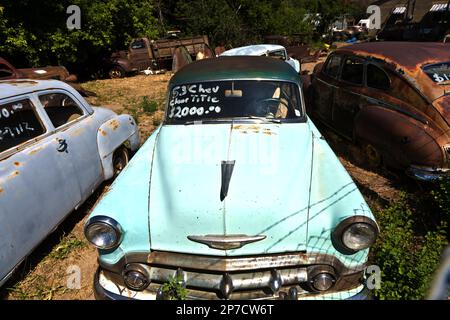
pixel 9 72
pixel 393 99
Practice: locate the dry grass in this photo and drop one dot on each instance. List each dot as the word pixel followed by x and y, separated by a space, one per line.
pixel 135 96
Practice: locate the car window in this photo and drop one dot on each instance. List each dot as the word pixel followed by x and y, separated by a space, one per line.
pixel 353 71
pixel 18 123
pixel 60 108
pixel 138 44
pixel 226 100
pixel 439 72
pixel 280 54
pixel 5 71
pixel 377 78
pixel 332 68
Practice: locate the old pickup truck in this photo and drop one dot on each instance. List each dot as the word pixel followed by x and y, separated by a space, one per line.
pixel 143 54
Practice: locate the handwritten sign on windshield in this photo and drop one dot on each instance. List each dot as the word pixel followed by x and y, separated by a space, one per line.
pixel 194 100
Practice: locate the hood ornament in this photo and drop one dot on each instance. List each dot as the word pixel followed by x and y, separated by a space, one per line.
pixel 227 171
pixel 226 242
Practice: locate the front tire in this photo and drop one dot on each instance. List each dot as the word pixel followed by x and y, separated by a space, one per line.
pixel 116 72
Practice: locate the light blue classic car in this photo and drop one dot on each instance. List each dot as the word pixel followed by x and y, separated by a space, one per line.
pixel 235 196
pixel 55 149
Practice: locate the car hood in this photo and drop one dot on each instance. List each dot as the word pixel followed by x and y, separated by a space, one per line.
pixel 268 189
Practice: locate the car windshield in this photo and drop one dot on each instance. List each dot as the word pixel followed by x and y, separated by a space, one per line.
pixel 229 100
pixel 439 72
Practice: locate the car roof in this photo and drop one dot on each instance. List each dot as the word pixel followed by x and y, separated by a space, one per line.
pixel 407 54
pixel 407 58
pixel 236 68
pixel 10 88
pixel 254 50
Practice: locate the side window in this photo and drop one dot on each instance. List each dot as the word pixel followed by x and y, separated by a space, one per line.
pixel 280 54
pixel 353 71
pixel 5 71
pixel 138 44
pixel 332 68
pixel 18 124
pixel 60 108
pixel 377 78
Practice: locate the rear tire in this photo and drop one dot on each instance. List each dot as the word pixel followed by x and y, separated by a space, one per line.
pixel 120 159
pixel 373 156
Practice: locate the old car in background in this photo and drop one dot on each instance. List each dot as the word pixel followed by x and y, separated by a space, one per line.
pixel 269 50
pixel 8 72
pixel 235 196
pixel 296 47
pixel 391 98
pixel 155 54
pixel 55 150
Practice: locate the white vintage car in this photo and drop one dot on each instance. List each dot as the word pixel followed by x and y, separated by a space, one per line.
pixel 55 150
pixel 269 50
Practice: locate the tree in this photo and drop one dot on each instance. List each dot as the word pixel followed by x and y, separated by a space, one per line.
pixel 42 37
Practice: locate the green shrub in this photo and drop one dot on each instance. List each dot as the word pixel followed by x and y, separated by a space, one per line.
pixel 407 259
pixel 148 106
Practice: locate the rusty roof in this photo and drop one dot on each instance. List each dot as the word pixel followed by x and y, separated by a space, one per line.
pixel 406 54
pixel 407 58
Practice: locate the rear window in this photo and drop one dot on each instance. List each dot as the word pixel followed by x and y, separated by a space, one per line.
pixel 439 72
pixel 18 124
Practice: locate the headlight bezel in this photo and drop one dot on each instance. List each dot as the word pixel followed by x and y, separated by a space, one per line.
pixel 108 222
pixel 338 233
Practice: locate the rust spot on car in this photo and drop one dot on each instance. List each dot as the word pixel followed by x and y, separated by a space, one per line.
pixel 77 132
pixel 33 152
pixel 103 132
pixel 268 132
pixel 17 164
pixel 114 124
pixel 1 190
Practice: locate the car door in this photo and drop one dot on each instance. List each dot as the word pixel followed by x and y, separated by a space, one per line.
pixel 38 185
pixel 140 54
pixel 324 88
pixel 70 119
pixel 348 98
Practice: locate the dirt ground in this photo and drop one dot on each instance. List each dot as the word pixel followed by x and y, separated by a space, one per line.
pixel 45 274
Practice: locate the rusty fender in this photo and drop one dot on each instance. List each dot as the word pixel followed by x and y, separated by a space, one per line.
pixel 110 137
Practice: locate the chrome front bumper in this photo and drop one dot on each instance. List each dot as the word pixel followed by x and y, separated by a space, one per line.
pixel 251 278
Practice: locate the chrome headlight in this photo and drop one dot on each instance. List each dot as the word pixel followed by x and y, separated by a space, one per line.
pixel 136 276
pixel 354 234
pixel 103 232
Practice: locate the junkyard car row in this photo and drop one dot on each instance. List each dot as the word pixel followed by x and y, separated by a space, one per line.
pixel 236 195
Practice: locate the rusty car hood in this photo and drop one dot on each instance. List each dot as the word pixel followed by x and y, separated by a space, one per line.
pixel 268 189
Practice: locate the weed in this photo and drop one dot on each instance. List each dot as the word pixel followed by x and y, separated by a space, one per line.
pixel 148 106
pixel 66 246
pixel 174 289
